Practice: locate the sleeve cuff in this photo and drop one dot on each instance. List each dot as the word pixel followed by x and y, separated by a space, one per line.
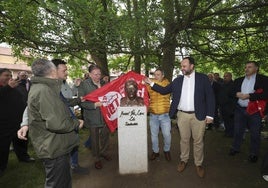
pixel 152 84
pixel 209 117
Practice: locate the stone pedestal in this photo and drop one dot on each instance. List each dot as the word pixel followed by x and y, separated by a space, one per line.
pixel 132 140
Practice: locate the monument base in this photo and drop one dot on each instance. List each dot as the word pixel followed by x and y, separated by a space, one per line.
pixel 132 140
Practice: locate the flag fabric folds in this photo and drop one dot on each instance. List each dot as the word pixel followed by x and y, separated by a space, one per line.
pixel 111 93
pixel 257 106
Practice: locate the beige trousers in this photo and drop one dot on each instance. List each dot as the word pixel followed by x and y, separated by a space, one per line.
pixel 190 126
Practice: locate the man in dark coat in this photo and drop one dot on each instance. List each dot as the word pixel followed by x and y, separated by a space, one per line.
pixel 11 111
pixel 23 88
pixel 249 88
pixel 227 104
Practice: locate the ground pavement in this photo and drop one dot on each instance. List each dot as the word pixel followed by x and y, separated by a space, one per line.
pixel 222 171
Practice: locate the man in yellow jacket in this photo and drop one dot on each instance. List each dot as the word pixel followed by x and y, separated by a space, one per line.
pixel 159 117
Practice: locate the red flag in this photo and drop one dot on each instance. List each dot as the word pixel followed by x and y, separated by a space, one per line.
pixel 257 106
pixel 111 94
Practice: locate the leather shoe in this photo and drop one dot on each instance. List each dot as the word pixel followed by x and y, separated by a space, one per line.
pixel 253 158
pixel 98 165
pixel 181 166
pixel 107 157
pixel 154 156
pixel 79 170
pixel 27 160
pixel 167 155
pixel 200 171
pixel 232 152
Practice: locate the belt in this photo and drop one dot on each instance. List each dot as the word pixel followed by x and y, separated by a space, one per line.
pixel 187 112
pixel 241 107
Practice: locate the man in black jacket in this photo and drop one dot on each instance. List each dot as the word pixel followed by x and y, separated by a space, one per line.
pixel 23 88
pixel 11 110
pixel 227 104
pixel 245 90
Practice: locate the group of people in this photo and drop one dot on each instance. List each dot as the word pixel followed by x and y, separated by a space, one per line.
pixel 193 103
pixel 53 127
pixel 48 116
pixel 196 102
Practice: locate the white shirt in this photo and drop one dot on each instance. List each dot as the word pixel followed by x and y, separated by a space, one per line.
pixel 246 88
pixel 187 93
pixel 25 118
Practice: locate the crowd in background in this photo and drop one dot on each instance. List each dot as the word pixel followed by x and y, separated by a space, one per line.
pixel 200 102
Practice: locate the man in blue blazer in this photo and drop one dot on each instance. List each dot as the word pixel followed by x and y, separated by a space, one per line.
pixel 194 102
pixel 251 87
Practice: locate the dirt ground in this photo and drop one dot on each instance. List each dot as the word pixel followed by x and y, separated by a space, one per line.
pixel 222 171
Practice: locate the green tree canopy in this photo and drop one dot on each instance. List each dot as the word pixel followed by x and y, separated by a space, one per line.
pixel 224 34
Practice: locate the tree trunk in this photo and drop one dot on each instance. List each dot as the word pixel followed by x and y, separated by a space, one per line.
pixel 101 60
pixel 169 44
pixel 137 63
pixel 168 60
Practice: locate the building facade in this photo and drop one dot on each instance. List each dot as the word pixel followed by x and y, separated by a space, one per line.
pixel 7 60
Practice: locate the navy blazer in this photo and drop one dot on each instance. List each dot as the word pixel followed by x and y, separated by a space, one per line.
pixel 260 83
pixel 204 100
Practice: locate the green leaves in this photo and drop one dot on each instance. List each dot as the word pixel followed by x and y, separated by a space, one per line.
pixel 222 35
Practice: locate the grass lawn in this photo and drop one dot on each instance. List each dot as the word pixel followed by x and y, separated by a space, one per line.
pixel 223 171
pixel 28 175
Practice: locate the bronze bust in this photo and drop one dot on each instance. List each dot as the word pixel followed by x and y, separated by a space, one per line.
pixel 131 98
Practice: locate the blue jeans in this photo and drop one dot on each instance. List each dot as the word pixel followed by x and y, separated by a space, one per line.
pixel 241 121
pixel 74 157
pixel 87 143
pixel 156 122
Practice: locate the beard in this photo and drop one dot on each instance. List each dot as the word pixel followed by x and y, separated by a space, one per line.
pixel 187 72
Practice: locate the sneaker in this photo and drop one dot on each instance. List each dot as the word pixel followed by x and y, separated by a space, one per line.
pixel 80 170
pixel 265 177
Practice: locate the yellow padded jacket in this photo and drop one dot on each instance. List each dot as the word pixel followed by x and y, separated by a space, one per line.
pixel 159 104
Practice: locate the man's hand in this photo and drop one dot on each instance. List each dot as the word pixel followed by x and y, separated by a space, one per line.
pixel 147 80
pixel 77 82
pixel 208 120
pixel 82 99
pixel 98 104
pixel 23 132
pixel 81 123
pixel 13 83
pixel 242 96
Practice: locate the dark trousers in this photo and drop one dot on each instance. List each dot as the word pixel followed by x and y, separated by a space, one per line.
pixel 20 146
pixel 242 120
pixel 228 120
pixel 264 167
pixel 58 172
pixel 99 141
